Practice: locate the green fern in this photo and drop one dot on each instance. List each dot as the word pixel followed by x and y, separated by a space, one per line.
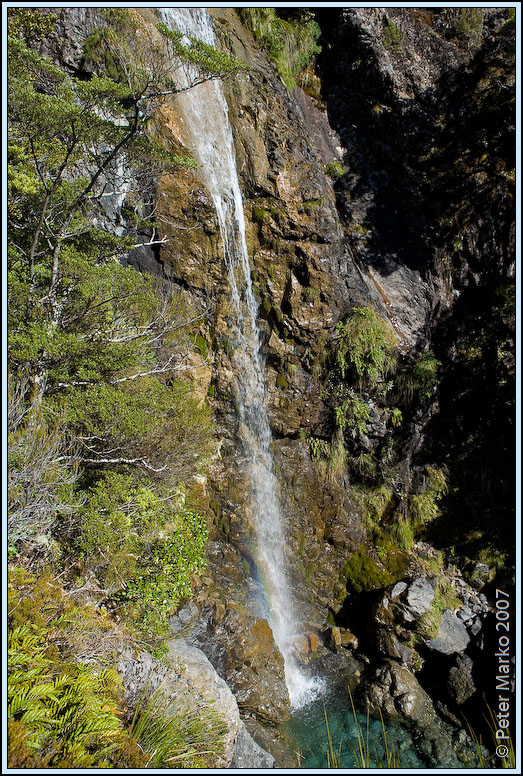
pixel 66 708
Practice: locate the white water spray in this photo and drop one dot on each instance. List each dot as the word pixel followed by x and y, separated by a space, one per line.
pixel 208 130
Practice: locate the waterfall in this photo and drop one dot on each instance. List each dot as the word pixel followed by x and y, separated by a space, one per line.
pixel 207 126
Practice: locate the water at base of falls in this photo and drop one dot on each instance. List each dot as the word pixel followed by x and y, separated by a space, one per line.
pixel 354 737
pixel 209 136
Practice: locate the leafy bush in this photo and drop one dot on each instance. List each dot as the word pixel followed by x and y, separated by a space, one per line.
pixel 353 413
pixel 366 343
pixel 143 547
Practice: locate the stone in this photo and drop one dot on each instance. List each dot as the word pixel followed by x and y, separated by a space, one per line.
pixel 248 754
pixel 335 637
pixel 389 645
pixel 348 640
pixel 460 683
pixel 465 614
pixel 475 626
pixel 452 635
pixel 313 641
pixel 242 649
pixel 418 598
pixel 398 589
pixel 302 646
pixel 395 690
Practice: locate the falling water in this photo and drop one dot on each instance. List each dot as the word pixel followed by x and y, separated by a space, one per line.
pixel 204 110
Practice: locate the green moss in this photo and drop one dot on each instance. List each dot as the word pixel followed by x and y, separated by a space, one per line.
pixel 282 382
pixel 266 305
pixel 211 391
pixel 310 205
pixel 335 170
pixel 259 215
pixel 363 573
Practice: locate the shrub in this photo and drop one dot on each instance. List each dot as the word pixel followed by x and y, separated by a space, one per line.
pixel 335 170
pixel 392 36
pixel 42 469
pixel 142 546
pixel 366 343
pixel 291 43
pixel 467 26
pixel 353 413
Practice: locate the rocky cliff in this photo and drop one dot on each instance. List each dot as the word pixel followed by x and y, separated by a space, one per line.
pixel 389 186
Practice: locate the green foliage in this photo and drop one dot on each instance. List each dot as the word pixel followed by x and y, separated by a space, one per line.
pixel 175 732
pixel 41 473
pixel 143 547
pixel 392 36
pixel 209 60
pixel 373 501
pixel 444 598
pixel 335 170
pixel 420 381
pixel 68 711
pixel 353 413
pixel 30 25
pixel 366 344
pixel 467 26
pixel 329 457
pixel 423 508
pixel 290 42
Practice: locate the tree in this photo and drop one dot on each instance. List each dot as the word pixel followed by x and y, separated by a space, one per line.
pixel 89 333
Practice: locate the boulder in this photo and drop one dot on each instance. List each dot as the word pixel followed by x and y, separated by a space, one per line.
pixel 248 754
pixel 452 635
pixel 349 640
pixel 389 645
pixel 460 683
pixel 418 598
pixel 397 692
pixel 242 649
pixel 186 671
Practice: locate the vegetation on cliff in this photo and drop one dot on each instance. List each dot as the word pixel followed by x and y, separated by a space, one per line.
pixel 106 438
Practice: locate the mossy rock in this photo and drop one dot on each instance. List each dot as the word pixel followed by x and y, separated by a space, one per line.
pixel 259 215
pixel 282 382
pixel 364 573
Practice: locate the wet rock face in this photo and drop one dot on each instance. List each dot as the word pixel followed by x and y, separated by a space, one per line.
pixel 242 649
